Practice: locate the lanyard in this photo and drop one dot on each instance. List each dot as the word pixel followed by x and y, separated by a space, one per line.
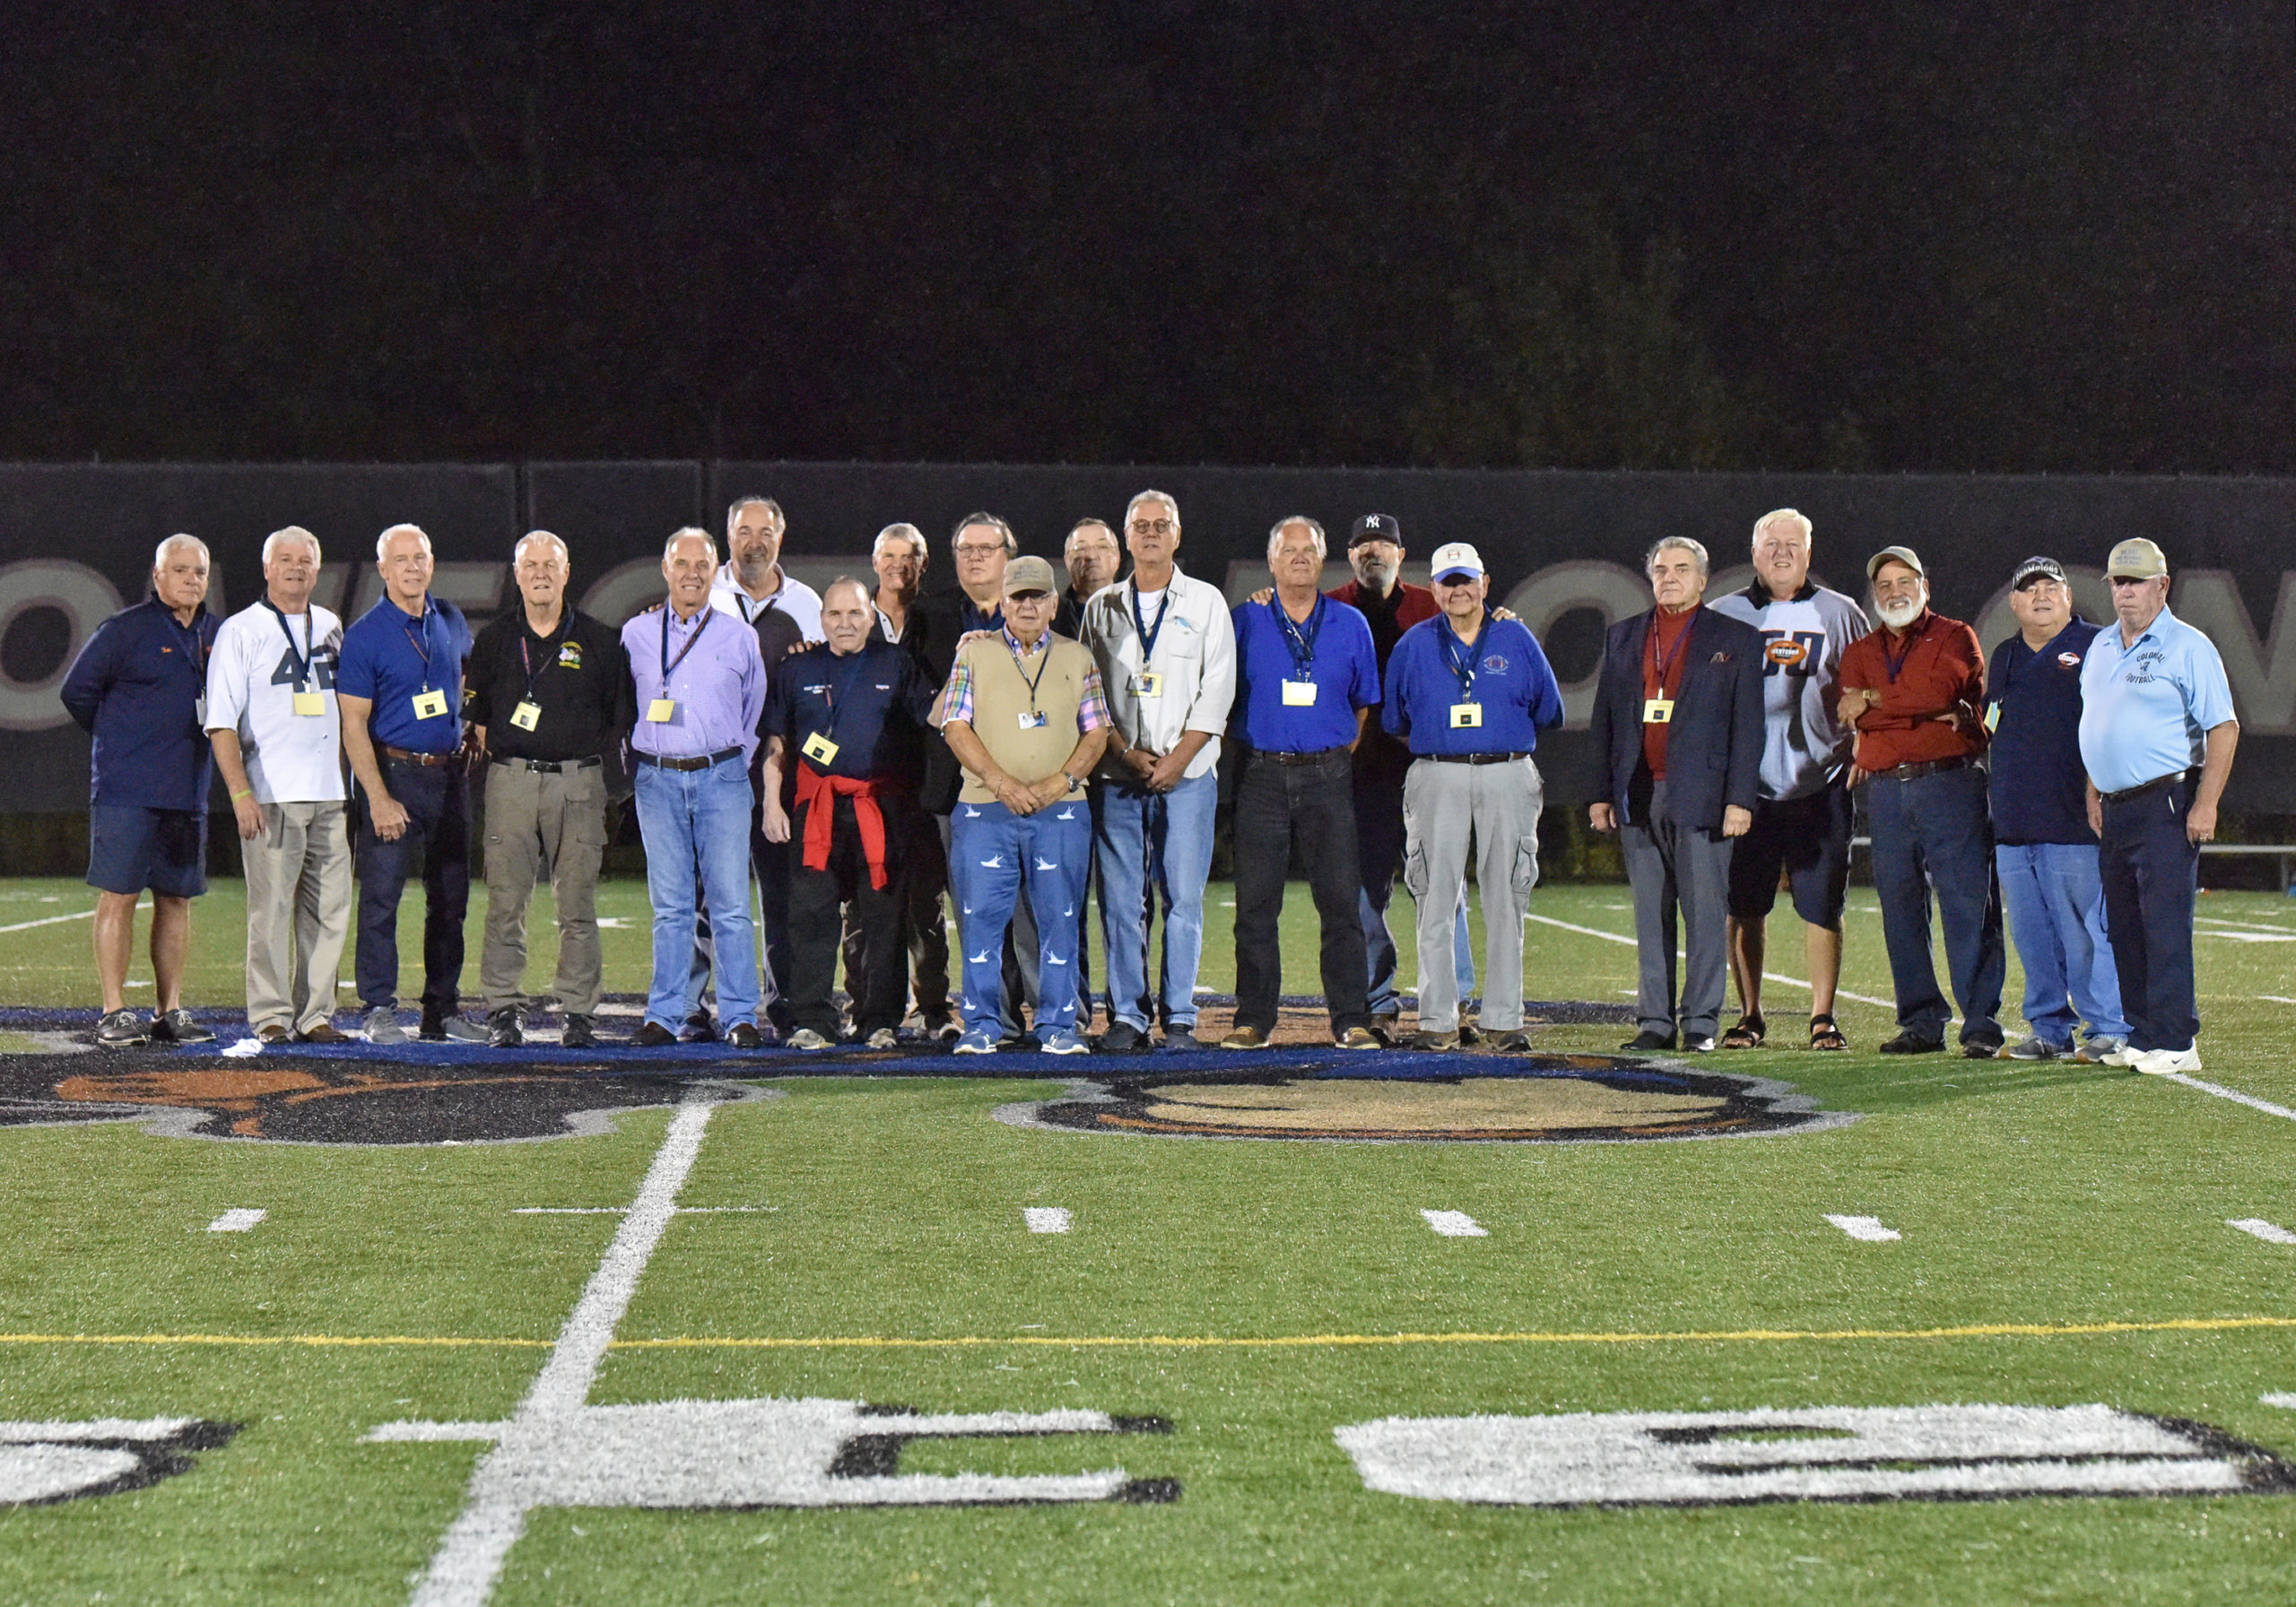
pixel 565 630
pixel 1895 664
pixel 669 663
pixel 422 646
pixel 1302 643
pixel 195 650
pixel 838 695
pixel 1665 660
pixel 1460 657
pixel 302 659
pixel 1020 661
pixel 1148 633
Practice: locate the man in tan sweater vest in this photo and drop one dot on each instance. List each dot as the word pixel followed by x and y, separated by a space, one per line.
pixel 1025 717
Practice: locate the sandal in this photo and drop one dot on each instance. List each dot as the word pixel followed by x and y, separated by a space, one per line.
pixel 1747 1034
pixel 1825 1034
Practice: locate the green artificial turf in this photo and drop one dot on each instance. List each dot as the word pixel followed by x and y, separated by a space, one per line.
pixel 2048 1198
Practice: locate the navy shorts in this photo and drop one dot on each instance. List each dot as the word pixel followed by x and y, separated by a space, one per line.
pixel 1806 841
pixel 131 849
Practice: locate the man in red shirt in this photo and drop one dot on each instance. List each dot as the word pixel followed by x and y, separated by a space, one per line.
pixel 1915 692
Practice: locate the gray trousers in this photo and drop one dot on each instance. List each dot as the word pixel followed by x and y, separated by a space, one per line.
pixel 543 825
pixel 299 913
pixel 1499 805
pixel 1672 867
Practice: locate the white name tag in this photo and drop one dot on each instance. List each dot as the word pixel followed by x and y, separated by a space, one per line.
pixel 1148 683
pixel 1466 716
pixel 526 715
pixel 820 749
pixel 1298 694
pixel 1657 711
pixel 310 703
pixel 660 711
pixel 1031 719
pixel 429 706
pixel 199 711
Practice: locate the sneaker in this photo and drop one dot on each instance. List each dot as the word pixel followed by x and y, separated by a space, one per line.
pixel 1182 1039
pixel 884 1038
pixel 1062 1041
pixel 943 1028
pixel 504 1030
pixel 176 1027
pixel 653 1035
pixel 806 1038
pixel 1123 1039
pixel 1357 1038
pixel 272 1033
pixel 122 1029
pixel 980 1040
pixel 1248 1037
pixel 1701 1043
pixel 1470 1034
pixel 2037 1048
pixel 1431 1038
pixel 322 1032
pixel 1517 1042
pixel 580 1032
pixel 382 1026
pixel 442 1027
pixel 698 1030
pixel 1387 1028
pixel 1646 1042
pixel 745 1035
pixel 2122 1055
pixel 1911 1043
pixel 2096 1048
pixel 2166 1062
pixel 1981 1048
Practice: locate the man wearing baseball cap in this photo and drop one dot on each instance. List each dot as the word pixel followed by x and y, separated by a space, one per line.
pixel 1470 695
pixel 2042 844
pixel 2157 735
pixel 1915 691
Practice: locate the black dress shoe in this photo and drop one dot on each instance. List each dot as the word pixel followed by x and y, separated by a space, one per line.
pixel 742 1035
pixel 1910 1043
pixel 1979 1049
pixel 1648 1042
pixel 504 1031
pixel 580 1033
pixel 1123 1038
pixel 653 1035
pixel 698 1030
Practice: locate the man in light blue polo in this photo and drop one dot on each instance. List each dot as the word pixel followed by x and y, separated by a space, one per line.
pixel 2157 736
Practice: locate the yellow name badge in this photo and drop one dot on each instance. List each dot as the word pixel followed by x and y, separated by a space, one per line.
pixel 1466 716
pixel 1298 694
pixel 1657 711
pixel 1148 683
pixel 429 706
pixel 820 749
pixel 1991 718
pixel 662 710
pixel 526 715
pixel 310 703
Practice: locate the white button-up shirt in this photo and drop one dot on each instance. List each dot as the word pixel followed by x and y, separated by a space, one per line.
pixel 1195 655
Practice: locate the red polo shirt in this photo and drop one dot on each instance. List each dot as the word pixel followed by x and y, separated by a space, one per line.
pixel 1933 669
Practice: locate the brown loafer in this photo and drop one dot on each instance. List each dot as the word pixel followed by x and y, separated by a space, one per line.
pixel 1249 1037
pixel 322 1032
pixel 272 1033
pixel 1358 1037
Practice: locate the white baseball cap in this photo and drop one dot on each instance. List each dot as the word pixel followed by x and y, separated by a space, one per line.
pixel 1455 558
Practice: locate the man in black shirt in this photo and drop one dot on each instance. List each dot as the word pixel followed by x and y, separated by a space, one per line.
pixel 848 718
pixel 548 692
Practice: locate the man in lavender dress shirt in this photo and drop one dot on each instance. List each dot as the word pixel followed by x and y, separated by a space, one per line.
pixel 699 693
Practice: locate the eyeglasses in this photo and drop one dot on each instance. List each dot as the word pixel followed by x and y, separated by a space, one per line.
pixel 1154 527
pixel 978 549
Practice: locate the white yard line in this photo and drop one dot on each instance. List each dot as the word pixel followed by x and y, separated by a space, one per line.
pixel 471 1554
pixel 2287 1403
pixel 2250 1100
pixel 1614 937
pixel 1868 1228
pixel 2272 1233
pixel 1455 1224
pixel 624 1210
pixel 238 1221
pixel 50 920
pixel 1045 1218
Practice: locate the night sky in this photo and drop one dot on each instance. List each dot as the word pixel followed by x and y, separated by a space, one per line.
pixel 1939 236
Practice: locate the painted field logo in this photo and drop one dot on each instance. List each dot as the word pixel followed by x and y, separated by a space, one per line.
pixel 41 1464
pixel 1824 1454
pixel 1551 1100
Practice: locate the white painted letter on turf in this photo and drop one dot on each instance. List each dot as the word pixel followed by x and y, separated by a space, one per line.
pixel 1455 1224
pixel 1045 1218
pixel 236 1221
pixel 1868 1228
pixel 1826 1454
pixel 2272 1233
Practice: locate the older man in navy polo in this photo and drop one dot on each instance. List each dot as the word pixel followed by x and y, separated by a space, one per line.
pixel 400 687
pixel 2157 736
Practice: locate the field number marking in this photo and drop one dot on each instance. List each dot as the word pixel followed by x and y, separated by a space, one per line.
pixel 1868 1228
pixel 236 1222
pixel 1455 1224
pixel 2272 1233
pixel 1045 1218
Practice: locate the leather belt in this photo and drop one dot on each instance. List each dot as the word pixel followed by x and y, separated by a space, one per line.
pixel 408 756
pixel 1915 772
pixel 1276 757
pixel 2158 784
pixel 1474 757
pixel 700 763
pixel 547 767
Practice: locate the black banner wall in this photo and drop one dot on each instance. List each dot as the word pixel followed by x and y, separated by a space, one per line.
pixel 1565 550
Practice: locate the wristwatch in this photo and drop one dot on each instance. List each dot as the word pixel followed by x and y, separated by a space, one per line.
pixel 1075 782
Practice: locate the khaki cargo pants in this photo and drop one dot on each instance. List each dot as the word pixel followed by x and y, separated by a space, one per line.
pixel 544 825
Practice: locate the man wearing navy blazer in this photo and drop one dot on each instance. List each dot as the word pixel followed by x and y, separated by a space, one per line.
pixel 1678 721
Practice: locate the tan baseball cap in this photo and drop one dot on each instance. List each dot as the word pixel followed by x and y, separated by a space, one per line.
pixel 1904 555
pixel 1028 575
pixel 2138 559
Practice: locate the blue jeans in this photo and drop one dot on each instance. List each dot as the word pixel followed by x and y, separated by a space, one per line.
pixel 1155 845
pixel 2054 898
pixel 696 826
pixel 1937 832
pixel 1378 851
pixel 988 843
pixel 437 823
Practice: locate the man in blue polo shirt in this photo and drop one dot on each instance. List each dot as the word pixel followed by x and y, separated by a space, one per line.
pixel 140 687
pixel 1307 677
pixel 2157 736
pixel 1470 694
pixel 2042 844
pixel 400 686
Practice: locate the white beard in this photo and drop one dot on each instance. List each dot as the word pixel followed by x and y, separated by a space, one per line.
pixel 1897 616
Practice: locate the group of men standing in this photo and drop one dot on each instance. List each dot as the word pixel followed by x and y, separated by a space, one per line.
pixel 846 757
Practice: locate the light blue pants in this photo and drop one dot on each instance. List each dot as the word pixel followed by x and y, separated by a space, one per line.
pixel 1154 847
pixel 696 827
pixel 988 843
pixel 2055 900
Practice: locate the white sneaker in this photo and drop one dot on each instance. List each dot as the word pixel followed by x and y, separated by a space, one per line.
pixel 884 1038
pixel 2162 1063
pixel 2122 1056
pixel 383 1028
pixel 806 1038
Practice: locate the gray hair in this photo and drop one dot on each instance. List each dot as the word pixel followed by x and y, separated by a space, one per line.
pixel 1681 544
pixel 1089 523
pixel 901 532
pixel 384 539
pixel 1787 516
pixel 780 520
pixel 542 535
pixel 1276 534
pixel 291 532
pixel 1152 496
pixel 670 546
pixel 990 521
pixel 160 552
pixel 859 590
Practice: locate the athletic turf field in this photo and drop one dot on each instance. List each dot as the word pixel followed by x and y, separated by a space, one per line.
pixel 1209 1314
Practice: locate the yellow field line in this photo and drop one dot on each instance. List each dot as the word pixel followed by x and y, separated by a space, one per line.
pixel 1205 1342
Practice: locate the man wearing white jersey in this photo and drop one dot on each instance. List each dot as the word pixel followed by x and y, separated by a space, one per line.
pixel 1801 827
pixel 278 736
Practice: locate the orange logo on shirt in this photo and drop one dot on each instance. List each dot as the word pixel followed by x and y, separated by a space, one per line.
pixel 1787 652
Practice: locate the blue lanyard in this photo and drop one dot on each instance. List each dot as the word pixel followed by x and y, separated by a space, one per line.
pixel 422 647
pixel 1149 634
pixel 1302 643
pixel 302 659
pixel 194 649
pixel 837 696
pixel 1460 657
pixel 1895 663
